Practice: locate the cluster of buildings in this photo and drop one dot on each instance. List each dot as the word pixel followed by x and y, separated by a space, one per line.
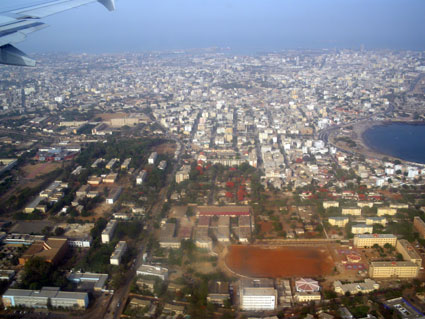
pixel 278 116
pixel 409 267
pixel 213 224
pixel 58 153
pixel 50 195
pixel 362 224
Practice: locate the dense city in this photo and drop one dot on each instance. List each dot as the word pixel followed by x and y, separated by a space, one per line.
pixel 208 184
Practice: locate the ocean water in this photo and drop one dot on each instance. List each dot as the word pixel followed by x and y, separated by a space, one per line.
pixel 402 140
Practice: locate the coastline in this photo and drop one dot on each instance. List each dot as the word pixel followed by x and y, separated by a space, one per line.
pixel 362 147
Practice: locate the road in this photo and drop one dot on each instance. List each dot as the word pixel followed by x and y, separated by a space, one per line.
pixel 119 300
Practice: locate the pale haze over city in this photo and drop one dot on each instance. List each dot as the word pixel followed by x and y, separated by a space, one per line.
pixel 243 25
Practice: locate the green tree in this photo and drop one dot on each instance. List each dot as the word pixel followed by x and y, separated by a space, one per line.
pixel 36 274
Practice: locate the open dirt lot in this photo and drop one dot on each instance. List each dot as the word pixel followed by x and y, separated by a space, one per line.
pixel 39 169
pixel 254 261
pixel 165 148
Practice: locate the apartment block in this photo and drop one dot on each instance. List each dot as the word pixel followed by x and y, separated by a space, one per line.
pixel 395 269
pixel 408 252
pixel 376 220
pixel 362 229
pixel 368 240
pixel 382 211
pixel 118 253
pixel 47 296
pixel 108 232
pixel 338 221
pixel 353 211
pixel 328 204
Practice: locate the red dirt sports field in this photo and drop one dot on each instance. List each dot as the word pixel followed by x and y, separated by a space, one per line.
pixel 253 261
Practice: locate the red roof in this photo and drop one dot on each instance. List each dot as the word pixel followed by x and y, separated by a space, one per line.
pixel 224 213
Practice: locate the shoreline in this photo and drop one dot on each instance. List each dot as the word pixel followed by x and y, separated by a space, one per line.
pixel 357 135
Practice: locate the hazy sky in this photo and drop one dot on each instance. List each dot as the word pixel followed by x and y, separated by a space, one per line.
pixel 244 25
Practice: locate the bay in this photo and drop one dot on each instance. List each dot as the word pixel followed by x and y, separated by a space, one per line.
pixel 402 140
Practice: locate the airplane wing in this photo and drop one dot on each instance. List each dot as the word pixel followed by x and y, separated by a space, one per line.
pixel 15 25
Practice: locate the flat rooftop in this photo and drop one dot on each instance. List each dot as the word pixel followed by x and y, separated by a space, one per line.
pixel 376 236
pixel 223 210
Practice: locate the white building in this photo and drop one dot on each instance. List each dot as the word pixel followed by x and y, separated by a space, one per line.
pixel 149 270
pixel 258 299
pixel 114 195
pixel 81 242
pixel 367 286
pixel 362 229
pixel 119 251
pixel 141 177
pixel 152 158
pixel 109 230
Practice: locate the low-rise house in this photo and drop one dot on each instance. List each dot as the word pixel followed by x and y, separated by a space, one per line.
pixel 173 309
pixel 167 238
pixel 80 242
pixel 145 284
pixel 94 180
pixel 139 303
pixel 88 280
pixel 162 165
pixel 303 297
pixel 218 292
pixel 150 270
pixel 353 288
pixel 110 178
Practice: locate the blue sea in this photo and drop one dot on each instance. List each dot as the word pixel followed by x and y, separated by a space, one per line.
pixel 402 140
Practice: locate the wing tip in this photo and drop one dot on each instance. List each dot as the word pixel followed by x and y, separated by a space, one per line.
pixel 108 4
